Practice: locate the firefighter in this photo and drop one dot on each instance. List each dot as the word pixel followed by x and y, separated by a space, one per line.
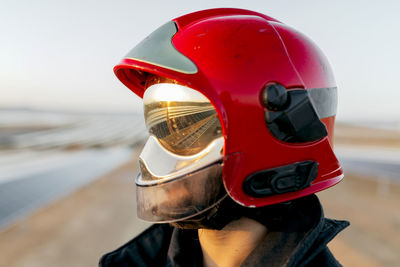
pixel 240 110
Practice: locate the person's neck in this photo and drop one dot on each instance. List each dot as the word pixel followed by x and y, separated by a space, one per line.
pixel 231 245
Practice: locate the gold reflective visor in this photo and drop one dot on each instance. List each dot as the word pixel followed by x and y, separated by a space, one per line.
pixel 182 119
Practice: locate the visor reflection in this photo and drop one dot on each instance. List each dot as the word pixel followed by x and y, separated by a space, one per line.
pixel 182 119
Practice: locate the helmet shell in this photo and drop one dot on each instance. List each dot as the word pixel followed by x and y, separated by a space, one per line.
pixel 237 52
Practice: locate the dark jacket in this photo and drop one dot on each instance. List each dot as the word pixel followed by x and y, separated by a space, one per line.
pixel 302 242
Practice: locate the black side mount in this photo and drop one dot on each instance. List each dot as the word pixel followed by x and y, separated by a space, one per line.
pixel 288 178
pixel 291 116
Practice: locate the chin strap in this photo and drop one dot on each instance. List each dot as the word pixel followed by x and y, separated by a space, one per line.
pixel 228 210
pixel 215 218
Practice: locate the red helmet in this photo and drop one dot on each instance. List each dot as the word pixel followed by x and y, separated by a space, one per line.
pixel 269 92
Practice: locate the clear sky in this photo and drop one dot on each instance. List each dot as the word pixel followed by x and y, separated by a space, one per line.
pixel 60 54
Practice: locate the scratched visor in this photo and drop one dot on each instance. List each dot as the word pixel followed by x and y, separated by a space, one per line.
pixel 181 163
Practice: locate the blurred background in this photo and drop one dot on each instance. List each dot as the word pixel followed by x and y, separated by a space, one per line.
pixel 70 132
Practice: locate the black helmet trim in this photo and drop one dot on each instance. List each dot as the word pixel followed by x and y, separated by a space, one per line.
pixel 283 179
pixel 294 115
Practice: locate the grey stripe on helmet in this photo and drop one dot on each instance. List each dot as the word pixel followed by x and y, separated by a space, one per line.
pixel 157 49
pixel 324 101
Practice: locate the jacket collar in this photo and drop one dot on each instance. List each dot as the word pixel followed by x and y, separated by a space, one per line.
pixel 305 234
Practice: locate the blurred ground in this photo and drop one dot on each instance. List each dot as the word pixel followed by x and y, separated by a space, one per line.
pixel 78 229
pixel 347 134
pixel 373 209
